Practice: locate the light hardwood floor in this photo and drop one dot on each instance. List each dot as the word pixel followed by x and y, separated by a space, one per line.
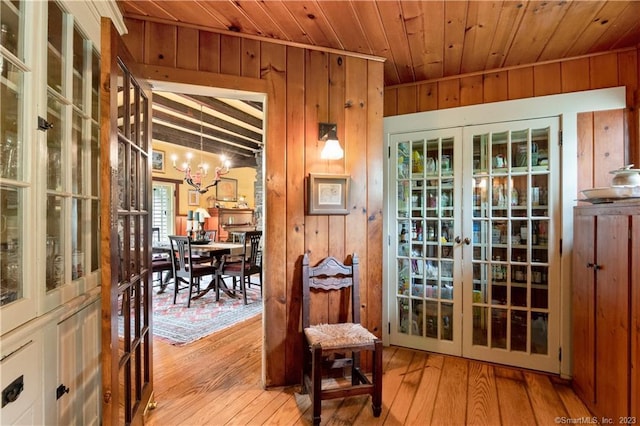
pixel 216 381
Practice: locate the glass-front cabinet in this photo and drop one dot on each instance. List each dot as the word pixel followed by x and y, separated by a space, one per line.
pixel 475 273
pixel 49 162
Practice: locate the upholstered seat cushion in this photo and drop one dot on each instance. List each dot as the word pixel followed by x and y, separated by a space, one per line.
pixel 235 266
pixel 160 265
pixel 341 335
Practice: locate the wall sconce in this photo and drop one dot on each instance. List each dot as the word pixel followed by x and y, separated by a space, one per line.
pixel 332 149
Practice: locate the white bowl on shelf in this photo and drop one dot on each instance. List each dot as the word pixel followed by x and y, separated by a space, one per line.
pixel 612 192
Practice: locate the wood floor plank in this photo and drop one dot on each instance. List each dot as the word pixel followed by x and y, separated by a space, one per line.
pixel 422 408
pixel 418 389
pixel 451 402
pixel 482 394
pixel 392 378
pixel 407 391
pixel 515 407
pixel 545 402
pixel 575 407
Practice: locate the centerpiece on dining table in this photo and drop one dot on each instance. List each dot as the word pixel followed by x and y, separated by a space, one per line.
pixel 195 226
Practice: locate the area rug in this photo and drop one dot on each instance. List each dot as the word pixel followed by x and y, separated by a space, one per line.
pixel 179 325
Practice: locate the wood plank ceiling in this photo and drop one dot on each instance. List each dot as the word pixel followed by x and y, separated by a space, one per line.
pixel 419 40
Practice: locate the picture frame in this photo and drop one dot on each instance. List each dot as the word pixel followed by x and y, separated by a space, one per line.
pixel 157 161
pixel 227 189
pixel 328 194
pixel 194 198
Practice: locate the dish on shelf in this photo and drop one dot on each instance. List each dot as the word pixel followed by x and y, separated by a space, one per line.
pixel 611 194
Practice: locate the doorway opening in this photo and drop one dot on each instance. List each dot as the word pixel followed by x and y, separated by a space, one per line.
pixel 196 130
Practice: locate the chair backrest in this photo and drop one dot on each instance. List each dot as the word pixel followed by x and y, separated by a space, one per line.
pixel 155 230
pixel 330 275
pixel 181 250
pixel 251 241
pixel 211 235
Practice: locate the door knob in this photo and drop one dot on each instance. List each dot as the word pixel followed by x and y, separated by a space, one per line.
pixel 459 240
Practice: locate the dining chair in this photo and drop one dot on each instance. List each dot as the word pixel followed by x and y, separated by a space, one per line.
pixel 242 267
pixel 335 343
pixel 185 269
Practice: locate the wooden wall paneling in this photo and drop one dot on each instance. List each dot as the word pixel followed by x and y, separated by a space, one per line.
pixel 295 154
pixel 575 75
pixel 496 86
pixel 160 44
pixel 604 70
pixel 135 38
pixel 273 66
pixel 230 55
pixel 471 90
pixel 187 53
pixel 585 152
pixel 317 111
pixel 375 201
pixel 629 74
pixel 356 138
pixel 209 52
pixel 390 102
pixel 427 97
pixel 407 100
pixel 635 319
pixel 448 93
pixel 520 83
pixel 250 59
pixel 337 114
pixel 547 80
pixel 608 145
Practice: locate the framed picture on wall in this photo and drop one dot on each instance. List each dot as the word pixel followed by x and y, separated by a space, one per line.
pixel 157 161
pixel 227 190
pixel 194 198
pixel 328 194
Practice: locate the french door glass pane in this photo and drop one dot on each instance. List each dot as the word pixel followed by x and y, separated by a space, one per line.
pixel 11 30
pixel 510 238
pixel 54 145
pixel 77 243
pixel 55 64
pixel 10 124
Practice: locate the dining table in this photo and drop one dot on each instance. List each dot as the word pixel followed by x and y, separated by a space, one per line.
pixel 215 250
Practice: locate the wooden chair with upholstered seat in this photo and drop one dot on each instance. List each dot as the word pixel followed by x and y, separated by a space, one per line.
pixel 242 266
pixel 337 342
pixel 185 269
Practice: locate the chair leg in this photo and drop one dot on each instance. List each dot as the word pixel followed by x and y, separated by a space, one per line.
pixel 376 397
pixel 189 295
pixel 243 288
pixel 316 383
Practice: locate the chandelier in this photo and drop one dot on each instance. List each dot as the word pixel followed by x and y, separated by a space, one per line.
pixel 196 177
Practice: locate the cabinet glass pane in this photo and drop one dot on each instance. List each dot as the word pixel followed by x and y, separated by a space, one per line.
pixel 95 87
pixel 77 154
pixel 54 145
pixel 10 124
pixel 55 242
pixel 11 241
pixel 77 240
pixel 95 235
pixel 55 64
pixel 95 159
pixel 10 30
pixel 78 69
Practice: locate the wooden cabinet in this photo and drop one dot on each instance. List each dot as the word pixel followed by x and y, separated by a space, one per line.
pixel 605 303
pixel 227 221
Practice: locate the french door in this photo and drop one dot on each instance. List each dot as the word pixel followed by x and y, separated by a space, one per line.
pixel 475 269
pixel 127 375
